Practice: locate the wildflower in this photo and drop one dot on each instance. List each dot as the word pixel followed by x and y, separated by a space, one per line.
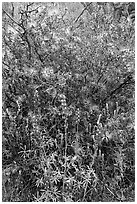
pixel 48 72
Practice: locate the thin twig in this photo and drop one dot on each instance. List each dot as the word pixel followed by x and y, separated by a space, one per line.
pixel 6 64
pixel 12 18
pixel 82 12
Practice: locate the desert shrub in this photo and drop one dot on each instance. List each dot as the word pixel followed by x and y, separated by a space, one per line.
pixel 68 107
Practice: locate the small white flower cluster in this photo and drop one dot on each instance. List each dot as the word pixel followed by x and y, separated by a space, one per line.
pixel 61 81
pixel 63 100
pixel 47 72
pixel 63 77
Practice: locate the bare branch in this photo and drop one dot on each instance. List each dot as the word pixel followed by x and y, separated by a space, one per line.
pixel 82 12
pixel 12 19
pixel 5 64
pixel 12 4
pixel 127 80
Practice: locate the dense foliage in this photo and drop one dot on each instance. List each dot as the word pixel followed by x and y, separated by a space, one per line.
pixel 68 102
